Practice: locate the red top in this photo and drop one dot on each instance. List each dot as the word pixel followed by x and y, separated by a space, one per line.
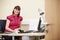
pixel 14 22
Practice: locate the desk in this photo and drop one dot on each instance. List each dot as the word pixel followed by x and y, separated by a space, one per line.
pixel 21 34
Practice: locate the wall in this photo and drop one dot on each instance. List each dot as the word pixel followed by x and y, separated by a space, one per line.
pixel 29 8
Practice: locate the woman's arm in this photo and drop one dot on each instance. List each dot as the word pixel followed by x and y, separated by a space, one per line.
pixel 7 26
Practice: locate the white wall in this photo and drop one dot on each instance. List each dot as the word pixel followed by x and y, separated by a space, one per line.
pixel 29 8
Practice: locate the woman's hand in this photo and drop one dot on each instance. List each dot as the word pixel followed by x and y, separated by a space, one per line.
pixel 16 30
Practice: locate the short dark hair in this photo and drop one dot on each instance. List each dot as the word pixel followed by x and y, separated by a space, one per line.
pixel 18 8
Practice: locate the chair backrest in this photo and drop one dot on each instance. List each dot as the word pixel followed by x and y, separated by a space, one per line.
pixel 39 24
pixel 2 25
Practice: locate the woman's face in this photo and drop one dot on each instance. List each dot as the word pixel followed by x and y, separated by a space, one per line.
pixel 16 11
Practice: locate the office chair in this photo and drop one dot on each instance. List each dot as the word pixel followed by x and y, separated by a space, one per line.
pixel 2 27
pixel 39 26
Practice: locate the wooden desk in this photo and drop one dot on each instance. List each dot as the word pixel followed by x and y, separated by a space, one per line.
pixel 21 34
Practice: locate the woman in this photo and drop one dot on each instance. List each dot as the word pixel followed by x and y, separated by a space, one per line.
pixel 13 23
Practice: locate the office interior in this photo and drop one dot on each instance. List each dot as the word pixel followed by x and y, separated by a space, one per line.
pixel 30 11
